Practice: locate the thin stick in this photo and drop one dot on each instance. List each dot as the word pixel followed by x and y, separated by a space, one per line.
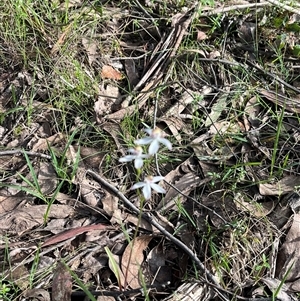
pixel 21 152
pixel 151 219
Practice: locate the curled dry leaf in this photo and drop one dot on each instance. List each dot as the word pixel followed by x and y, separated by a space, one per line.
pixel 132 260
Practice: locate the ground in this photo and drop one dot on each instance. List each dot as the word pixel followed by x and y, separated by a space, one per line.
pixel 149 150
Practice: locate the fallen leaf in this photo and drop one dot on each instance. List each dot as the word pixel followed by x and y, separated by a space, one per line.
pixel 37 294
pixel 8 203
pixel 26 218
pixel 273 284
pixel 289 254
pixel 132 260
pixel 61 284
pixel 91 49
pixel 114 265
pixel 216 110
pixel 72 233
pixel 110 73
pixel 290 104
pixel 108 98
pixel 285 185
pixel 131 72
pixel 61 40
pixel 42 143
pixel 201 35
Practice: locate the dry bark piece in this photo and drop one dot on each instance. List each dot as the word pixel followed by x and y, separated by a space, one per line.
pixel 132 260
pixel 61 284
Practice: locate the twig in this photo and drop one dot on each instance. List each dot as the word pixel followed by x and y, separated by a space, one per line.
pixel 151 219
pixel 226 9
pixel 285 6
pixel 138 291
pixel 21 152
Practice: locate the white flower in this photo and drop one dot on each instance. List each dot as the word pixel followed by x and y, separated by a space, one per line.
pixel 137 156
pixel 154 139
pixel 149 183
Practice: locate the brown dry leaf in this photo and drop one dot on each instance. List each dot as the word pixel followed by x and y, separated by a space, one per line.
pixel 131 72
pixel 132 260
pixel 61 40
pixel 139 222
pixel 251 113
pixel 285 185
pixel 37 294
pixel 290 104
pixel 289 255
pixel 201 35
pixel 8 203
pixel 20 276
pixel 253 207
pixel 91 156
pixel 73 233
pixel 185 180
pixel 47 178
pixel 26 218
pixel 158 270
pixel 91 49
pixel 111 207
pixel 61 284
pixel 217 108
pixel 107 99
pixel 273 284
pixel 88 187
pixel 42 143
pixel 110 73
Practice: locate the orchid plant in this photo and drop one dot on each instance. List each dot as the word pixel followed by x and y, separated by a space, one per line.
pixel 154 138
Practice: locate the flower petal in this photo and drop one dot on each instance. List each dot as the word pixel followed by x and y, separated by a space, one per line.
pixel 147 191
pixel 153 148
pixel 157 188
pixel 131 150
pixel 138 185
pixel 145 140
pixel 148 131
pixel 127 158
pixel 166 142
pixel 157 179
pixel 138 163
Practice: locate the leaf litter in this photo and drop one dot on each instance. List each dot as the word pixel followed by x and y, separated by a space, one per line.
pixel 232 114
